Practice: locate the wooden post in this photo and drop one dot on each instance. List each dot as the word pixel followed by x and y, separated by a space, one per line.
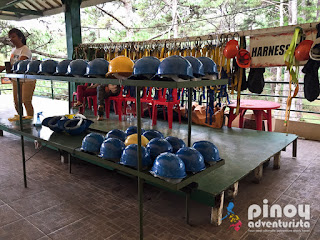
pixel 233 191
pixel 258 172
pixel 216 211
pixel 63 156
pixel 294 148
pixel 276 161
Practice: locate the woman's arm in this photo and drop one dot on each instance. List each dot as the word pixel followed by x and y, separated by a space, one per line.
pixel 23 58
pixel 93 85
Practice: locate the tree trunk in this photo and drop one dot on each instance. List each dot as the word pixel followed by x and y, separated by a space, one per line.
pixel 174 15
pixel 129 17
pixel 318 11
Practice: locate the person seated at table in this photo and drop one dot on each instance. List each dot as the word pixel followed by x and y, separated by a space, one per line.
pixel 84 91
pixel 103 92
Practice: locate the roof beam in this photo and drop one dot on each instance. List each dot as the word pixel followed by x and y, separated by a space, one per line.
pixel 5 4
pixel 22 11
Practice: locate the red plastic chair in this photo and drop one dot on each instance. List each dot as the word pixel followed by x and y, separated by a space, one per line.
pixel 146 98
pixel 129 97
pixel 89 99
pixel 117 104
pixel 162 100
pixel 94 102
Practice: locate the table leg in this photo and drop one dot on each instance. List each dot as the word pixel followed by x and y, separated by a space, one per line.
pixel 216 211
pixel 276 160
pixel 1 133
pixel 258 117
pixel 241 117
pixel 258 172
pixel 233 191
pixel 269 120
pixel 231 117
pixel 294 148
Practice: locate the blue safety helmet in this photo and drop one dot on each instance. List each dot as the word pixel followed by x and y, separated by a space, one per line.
pixel 116 133
pixel 176 143
pixel 168 165
pixel 92 143
pixel 132 130
pixel 192 158
pixel 48 67
pixel 33 67
pixel 146 67
pixel 130 157
pixel 151 134
pixel 15 66
pixel 97 68
pixel 197 66
pixel 22 66
pixel 175 66
pixel 62 67
pixel 209 66
pixel 53 123
pixel 208 150
pixel 77 67
pixel 157 146
pixel 111 148
pixel 76 125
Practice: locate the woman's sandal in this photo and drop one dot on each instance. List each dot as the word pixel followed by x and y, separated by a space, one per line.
pixel 100 113
pixel 78 104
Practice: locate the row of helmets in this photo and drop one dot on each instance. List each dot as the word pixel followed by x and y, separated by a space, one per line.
pixel 175 67
pixel 169 157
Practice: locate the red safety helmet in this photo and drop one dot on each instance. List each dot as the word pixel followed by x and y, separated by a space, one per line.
pixel 243 58
pixel 231 49
pixel 302 51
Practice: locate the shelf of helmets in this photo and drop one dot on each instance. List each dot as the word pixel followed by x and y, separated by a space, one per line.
pixel 62 141
pixel 125 82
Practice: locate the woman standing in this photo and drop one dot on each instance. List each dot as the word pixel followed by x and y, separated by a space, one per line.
pixel 21 52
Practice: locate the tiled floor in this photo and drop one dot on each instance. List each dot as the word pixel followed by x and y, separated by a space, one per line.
pixel 95 203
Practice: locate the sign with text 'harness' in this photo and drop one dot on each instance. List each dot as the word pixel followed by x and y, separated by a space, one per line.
pixel 269 50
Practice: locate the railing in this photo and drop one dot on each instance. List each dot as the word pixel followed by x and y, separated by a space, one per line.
pixel 301 109
pixel 52 89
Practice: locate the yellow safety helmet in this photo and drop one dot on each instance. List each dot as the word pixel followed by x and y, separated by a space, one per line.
pixel 120 66
pixel 133 139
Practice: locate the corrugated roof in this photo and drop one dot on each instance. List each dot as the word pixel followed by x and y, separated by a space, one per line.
pixel 28 9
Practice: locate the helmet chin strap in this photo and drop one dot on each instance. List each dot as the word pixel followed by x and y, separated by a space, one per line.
pixel 210 77
pixel 175 78
pixel 120 77
pixel 81 117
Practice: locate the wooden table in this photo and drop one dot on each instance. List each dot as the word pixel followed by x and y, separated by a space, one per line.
pixel 260 108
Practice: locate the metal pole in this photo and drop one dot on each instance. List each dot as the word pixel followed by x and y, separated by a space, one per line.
pixel 189 115
pixel 21 129
pixel 69 97
pixel 51 89
pixel 69 161
pixel 140 180
pixel 187 207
